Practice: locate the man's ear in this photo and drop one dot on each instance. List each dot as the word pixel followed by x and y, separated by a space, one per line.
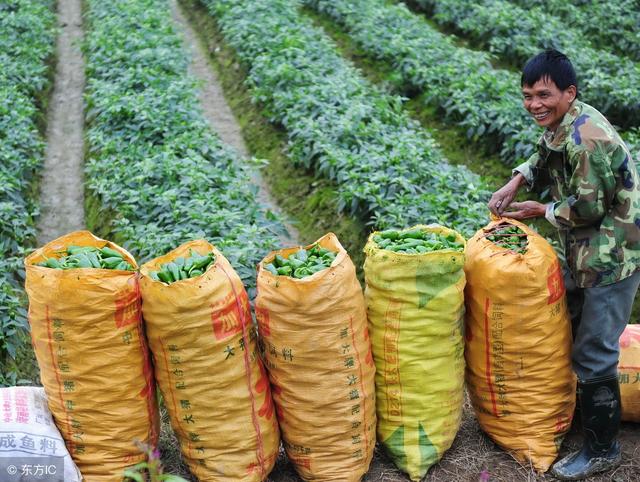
pixel 571 91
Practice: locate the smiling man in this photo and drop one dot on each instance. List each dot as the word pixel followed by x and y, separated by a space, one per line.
pixel 592 180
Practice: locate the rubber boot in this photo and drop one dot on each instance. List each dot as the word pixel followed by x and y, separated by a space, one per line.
pixel 600 414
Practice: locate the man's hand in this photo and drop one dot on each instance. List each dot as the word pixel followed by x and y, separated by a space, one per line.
pixel 502 198
pixel 525 210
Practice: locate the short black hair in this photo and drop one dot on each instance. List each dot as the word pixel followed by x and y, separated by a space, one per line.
pixel 552 64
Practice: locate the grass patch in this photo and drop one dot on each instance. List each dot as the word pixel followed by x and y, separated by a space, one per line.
pixel 309 201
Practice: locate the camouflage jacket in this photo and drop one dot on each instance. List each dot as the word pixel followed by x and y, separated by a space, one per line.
pixel 593 182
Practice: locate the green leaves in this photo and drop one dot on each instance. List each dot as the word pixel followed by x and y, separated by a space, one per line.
pixel 461 82
pixel 609 82
pixel 610 25
pixel 509 237
pixel 388 170
pixel 154 161
pixel 27 34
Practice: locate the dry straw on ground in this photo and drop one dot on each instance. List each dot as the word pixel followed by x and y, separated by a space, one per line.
pixel 472 458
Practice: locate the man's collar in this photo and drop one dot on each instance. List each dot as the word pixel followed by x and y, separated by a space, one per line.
pixel 556 140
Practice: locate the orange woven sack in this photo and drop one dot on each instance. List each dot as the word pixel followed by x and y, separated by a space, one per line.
pixel 318 355
pixel 629 373
pixel 518 346
pixel 94 362
pixel 208 369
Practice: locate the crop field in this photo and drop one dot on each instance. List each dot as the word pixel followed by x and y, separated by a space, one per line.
pixel 262 124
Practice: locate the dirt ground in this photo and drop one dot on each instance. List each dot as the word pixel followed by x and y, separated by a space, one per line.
pixel 219 114
pixel 62 189
pixel 472 457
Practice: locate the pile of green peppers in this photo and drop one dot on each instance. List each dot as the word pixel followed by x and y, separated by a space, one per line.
pixel 183 268
pixel 88 257
pixel 302 263
pixel 509 237
pixel 416 241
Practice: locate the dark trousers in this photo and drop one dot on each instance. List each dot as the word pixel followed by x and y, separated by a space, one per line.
pixel 598 318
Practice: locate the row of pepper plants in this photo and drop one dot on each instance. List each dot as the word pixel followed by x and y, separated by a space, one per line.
pixel 614 25
pixel 387 169
pixel 485 101
pixel 632 138
pixel 606 80
pixel 155 168
pixel 27 38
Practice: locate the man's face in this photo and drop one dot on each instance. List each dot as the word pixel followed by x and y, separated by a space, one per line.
pixel 547 103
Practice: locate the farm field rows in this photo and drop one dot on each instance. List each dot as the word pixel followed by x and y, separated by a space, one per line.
pixel 157 174
pixel 610 25
pixel 27 36
pixel 461 82
pixel 386 167
pixel 608 81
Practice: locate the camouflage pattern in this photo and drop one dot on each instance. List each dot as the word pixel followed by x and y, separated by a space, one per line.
pixel 593 182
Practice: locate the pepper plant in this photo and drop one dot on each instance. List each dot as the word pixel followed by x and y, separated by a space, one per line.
pixel 610 25
pixel 609 82
pixel 160 175
pixel 27 37
pixel 387 169
pixel 485 101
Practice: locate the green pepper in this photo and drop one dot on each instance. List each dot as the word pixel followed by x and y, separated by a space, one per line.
pixel 271 268
pixel 174 270
pixel 111 263
pixel 390 234
pixel 413 234
pixel 285 270
pixel 202 261
pixel 295 263
pixel 180 261
pixel 95 261
pixel 110 253
pixel 72 250
pixel 301 273
pixel 53 263
pixel 165 276
pixel 124 266
pixel 83 260
pixel 188 264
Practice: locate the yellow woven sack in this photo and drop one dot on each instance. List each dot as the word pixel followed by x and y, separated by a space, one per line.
pixel 209 371
pixel 317 353
pixel 94 361
pixel 629 373
pixel 518 346
pixel 415 304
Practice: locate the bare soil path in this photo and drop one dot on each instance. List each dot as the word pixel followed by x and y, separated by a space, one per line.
pixel 62 188
pixel 219 114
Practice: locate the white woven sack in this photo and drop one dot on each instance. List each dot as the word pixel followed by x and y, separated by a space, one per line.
pixel 30 442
